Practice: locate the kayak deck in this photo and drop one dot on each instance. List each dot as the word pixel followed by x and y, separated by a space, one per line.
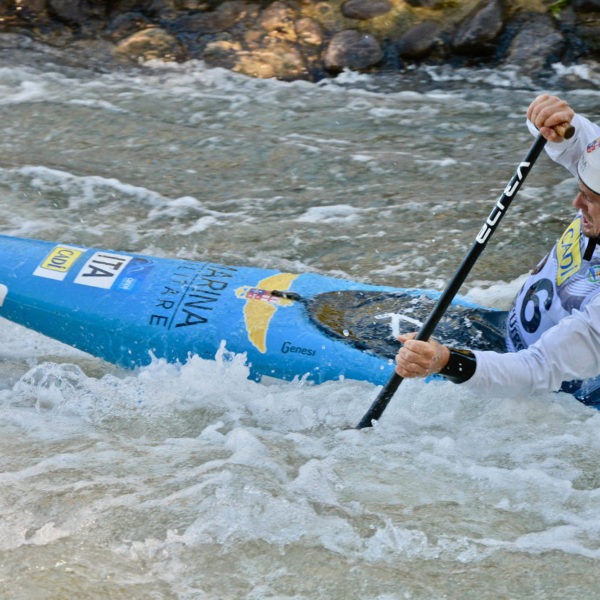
pixel 371 320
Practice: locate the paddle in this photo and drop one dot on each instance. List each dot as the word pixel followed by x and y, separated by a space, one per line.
pixel 385 395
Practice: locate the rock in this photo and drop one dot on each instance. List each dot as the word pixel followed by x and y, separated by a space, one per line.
pixel 225 18
pixel 234 14
pixel 479 29
pixel 127 24
pixel 255 38
pixel 163 9
pixel 586 5
pixel 566 18
pixel 365 9
pixel 205 5
pixel 537 42
pixel 77 13
pixel 278 20
pixel 119 7
pixel 191 4
pixel 587 30
pixel 309 32
pixel 426 3
pixel 280 59
pixel 420 40
pixel 306 38
pixel 32 10
pixel 151 43
pixel 327 14
pixel 222 52
pixel 353 50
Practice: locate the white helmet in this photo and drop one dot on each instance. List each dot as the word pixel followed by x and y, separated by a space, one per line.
pixel 588 167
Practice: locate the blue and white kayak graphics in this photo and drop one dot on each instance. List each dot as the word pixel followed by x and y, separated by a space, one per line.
pixel 128 308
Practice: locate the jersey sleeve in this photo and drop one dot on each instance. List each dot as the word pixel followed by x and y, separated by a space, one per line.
pixel 567 152
pixel 569 350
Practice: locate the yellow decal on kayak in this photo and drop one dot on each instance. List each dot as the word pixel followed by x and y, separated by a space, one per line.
pixel 568 253
pixel 261 305
pixel 57 264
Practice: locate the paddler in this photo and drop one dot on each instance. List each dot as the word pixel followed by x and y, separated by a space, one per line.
pixel 553 326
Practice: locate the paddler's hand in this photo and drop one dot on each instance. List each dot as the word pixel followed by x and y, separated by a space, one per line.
pixel 548 111
pixel 420 359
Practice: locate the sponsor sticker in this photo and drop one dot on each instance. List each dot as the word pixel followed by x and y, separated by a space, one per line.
pixel 136 271
pixel 249 293
pixel 594 273
pixel 3 292
pixel 593 145
pixel 102 269
pixel 261 305
pixel 568 252
pixel 288 347
pixel 57 264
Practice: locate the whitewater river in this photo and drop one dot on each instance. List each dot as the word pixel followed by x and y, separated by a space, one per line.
pixel 192 482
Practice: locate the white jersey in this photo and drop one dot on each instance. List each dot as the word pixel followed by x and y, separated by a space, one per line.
pixel 567 279
pixel 553 330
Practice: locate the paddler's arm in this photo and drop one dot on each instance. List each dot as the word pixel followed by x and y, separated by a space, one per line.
pixel 545 112
pixel 568 351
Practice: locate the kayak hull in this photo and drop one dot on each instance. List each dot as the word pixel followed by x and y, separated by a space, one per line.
pixel 128 308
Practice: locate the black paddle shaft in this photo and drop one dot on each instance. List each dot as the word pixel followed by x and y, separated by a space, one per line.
pixel 500 208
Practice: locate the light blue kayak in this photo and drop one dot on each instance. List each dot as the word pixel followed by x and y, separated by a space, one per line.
pixel 128 308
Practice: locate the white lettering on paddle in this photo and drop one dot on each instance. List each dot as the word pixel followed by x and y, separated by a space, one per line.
pixel 497 211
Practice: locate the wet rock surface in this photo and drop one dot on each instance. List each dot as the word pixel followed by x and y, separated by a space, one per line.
pixel 365 9
pixel 536 43
pixel 307 39
pixel 420 40
pixel 477 33
pixel 353 50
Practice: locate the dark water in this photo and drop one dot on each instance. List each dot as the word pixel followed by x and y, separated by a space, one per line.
pixel 193 482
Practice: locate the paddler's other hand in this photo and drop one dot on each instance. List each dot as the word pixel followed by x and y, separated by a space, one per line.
pixel 548 111
pixel 420 359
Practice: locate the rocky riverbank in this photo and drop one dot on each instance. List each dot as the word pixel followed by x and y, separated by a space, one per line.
pixel 305 39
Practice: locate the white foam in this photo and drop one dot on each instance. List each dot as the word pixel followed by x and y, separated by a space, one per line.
pixel 331 213
pixel 587 71
pixel 27 91
pixel 362 157
pixel 497 294
pixel 44 178
pixel 102 104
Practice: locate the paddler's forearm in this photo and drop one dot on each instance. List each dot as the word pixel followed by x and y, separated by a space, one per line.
pixel 567 152
pixel 568 351
pixel 524 373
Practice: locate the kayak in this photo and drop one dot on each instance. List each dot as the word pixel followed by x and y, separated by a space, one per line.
pixel 130 308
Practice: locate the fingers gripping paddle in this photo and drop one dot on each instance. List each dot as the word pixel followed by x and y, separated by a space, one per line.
pixel 379 405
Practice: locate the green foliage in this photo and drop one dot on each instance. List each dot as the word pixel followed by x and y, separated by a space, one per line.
pixel 556 6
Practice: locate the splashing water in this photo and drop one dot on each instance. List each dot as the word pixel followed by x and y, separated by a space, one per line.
pixel 192 481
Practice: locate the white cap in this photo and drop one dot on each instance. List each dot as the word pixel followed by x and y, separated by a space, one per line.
pixel 588 167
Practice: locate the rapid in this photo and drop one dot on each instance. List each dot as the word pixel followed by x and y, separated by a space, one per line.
pixel 193 482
